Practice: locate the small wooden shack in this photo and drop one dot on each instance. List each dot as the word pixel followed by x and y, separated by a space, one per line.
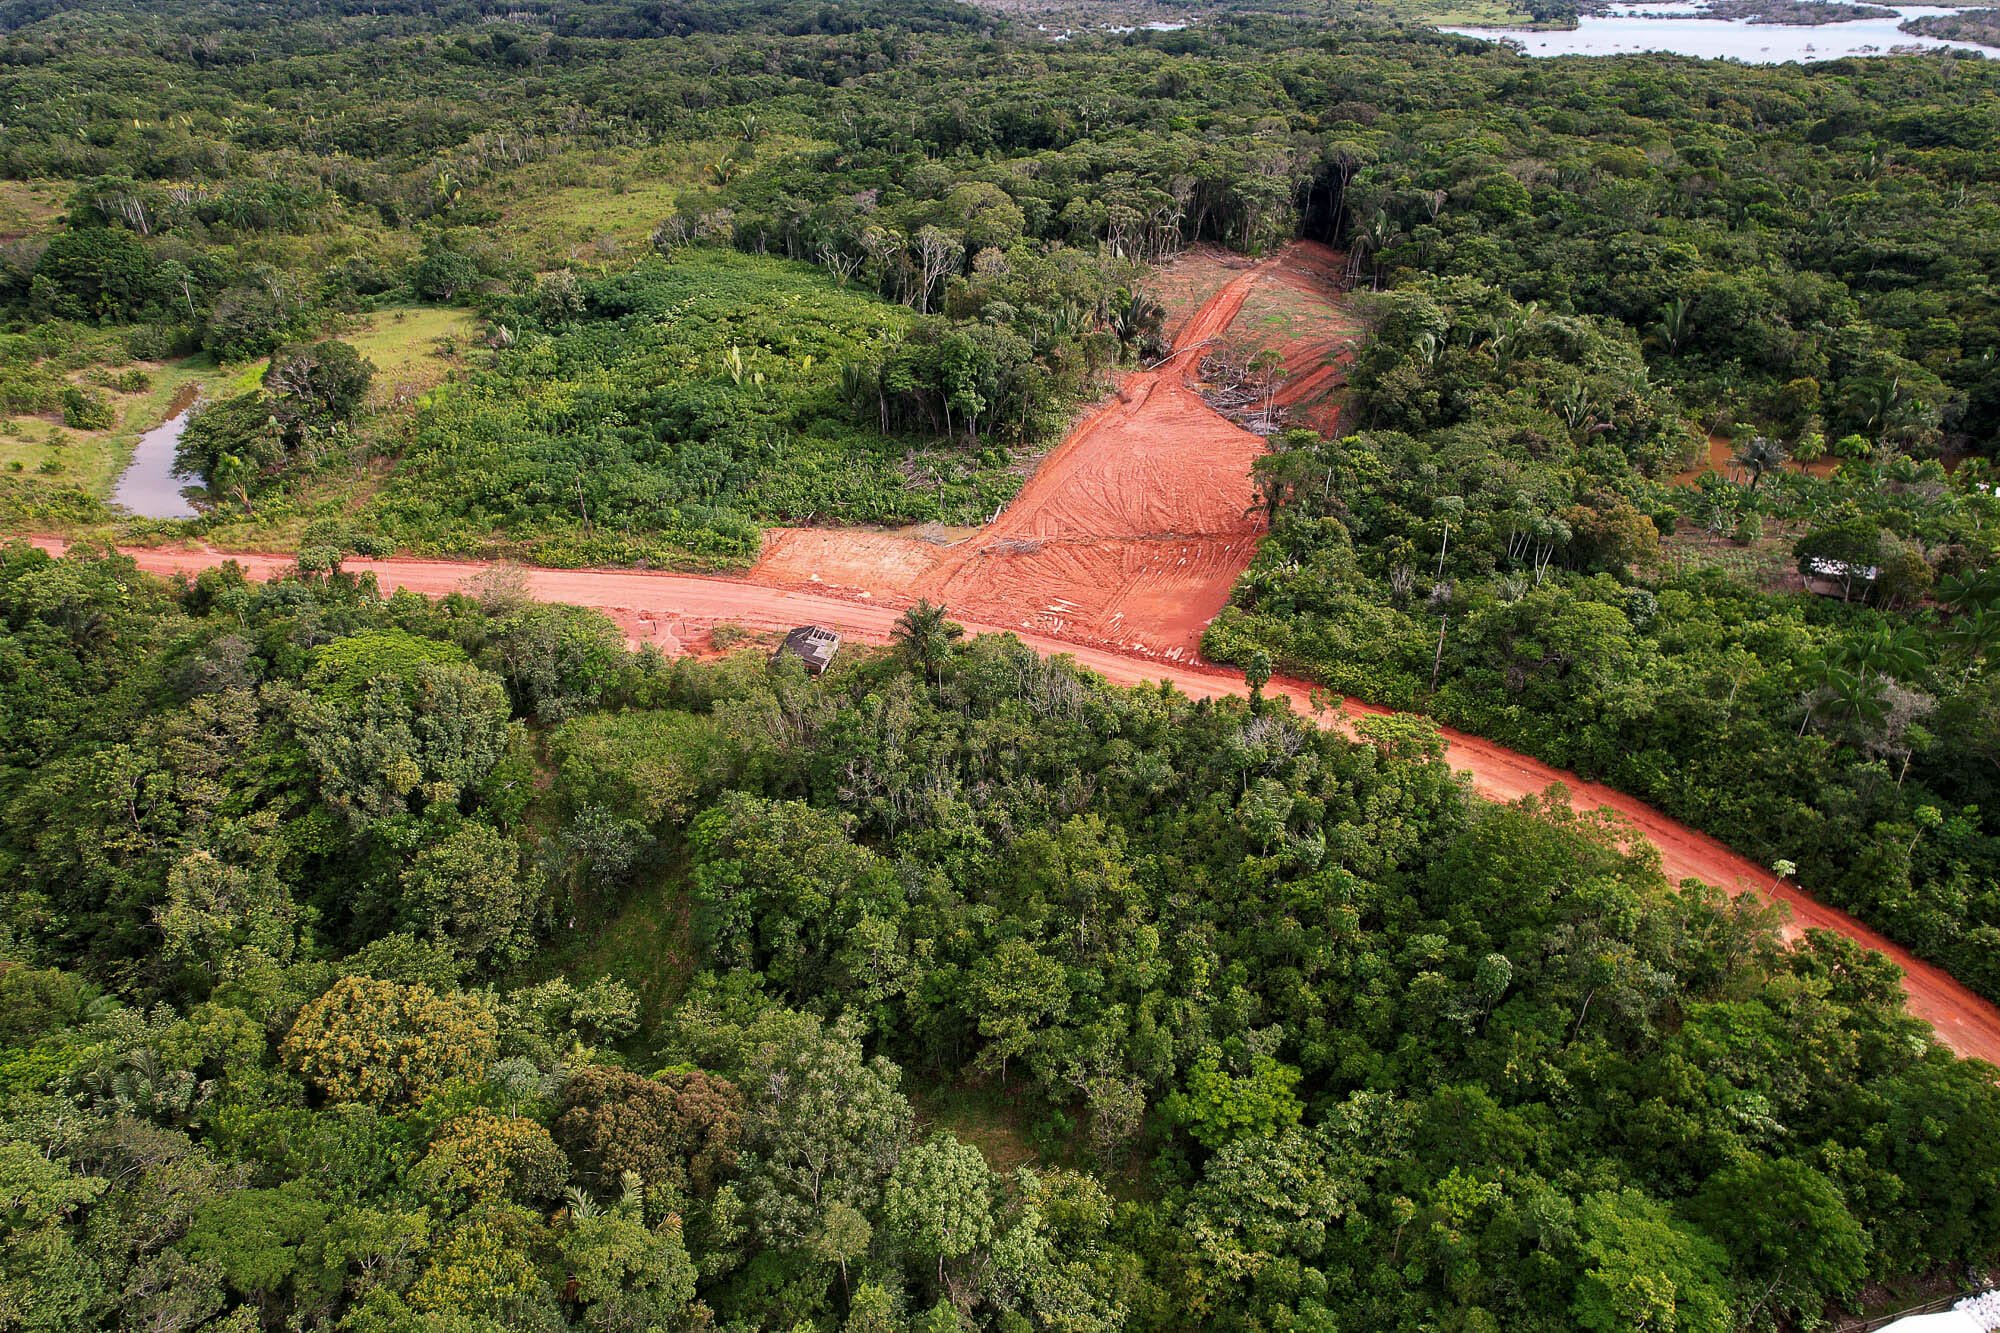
pixel 814 645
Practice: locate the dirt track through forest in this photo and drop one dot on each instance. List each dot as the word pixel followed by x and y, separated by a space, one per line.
pixel 673 609
pixel 1111 601
pixel 1132 532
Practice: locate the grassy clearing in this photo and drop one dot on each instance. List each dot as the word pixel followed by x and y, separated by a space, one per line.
pixel 413 347
pixel 647 943
pixel 594 208
pixel 1287 308
pixel 28 207
pixel 997 1121
pixel 1766 564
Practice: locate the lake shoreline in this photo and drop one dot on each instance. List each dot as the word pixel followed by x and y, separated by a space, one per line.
pixel 1742 30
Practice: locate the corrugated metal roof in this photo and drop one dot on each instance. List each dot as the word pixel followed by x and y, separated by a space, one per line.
pixel 814 645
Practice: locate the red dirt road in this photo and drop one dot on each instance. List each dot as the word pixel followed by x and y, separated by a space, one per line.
pixel 669 609
pixel 1132 532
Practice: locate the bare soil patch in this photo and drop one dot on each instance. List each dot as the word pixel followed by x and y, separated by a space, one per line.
pixel 873 560
pixel 1133 530
pixel 1721 449
pixel 1191 279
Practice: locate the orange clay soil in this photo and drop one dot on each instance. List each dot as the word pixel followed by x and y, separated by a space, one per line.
pixel 1721 450
pixel 673 610
pixel 1294 311
pixel 1132 532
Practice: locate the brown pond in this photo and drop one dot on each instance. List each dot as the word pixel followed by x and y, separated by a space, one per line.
pixel 1720 451
pixel 149 486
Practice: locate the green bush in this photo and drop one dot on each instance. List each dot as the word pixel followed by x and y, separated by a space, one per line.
pixel 84 410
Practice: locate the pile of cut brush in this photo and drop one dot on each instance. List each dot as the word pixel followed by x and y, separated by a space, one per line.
pixel 1244 388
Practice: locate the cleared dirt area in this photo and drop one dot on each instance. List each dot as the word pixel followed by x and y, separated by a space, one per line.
pixel 1316 336
pixel 848 560
pixel 675 610
pixel 1721 450
pixel 1133 530
pixel 1191 279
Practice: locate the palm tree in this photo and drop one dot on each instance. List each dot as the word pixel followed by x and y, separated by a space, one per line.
pixel 1759 454
pixel 1976 634
pixel 1884 652
pixel 1132 319
pixel 1828 681
pixel 1369 241
pixel 1965 592
pixel 446 189
pixel 1880 401
pixel 928 633
pixel 1856 698
pixel 1674 325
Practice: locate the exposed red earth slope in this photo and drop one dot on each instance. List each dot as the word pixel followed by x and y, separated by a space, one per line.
pixel 1132 532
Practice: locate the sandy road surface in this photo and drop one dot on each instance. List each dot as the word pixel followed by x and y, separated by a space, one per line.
pixel 667 609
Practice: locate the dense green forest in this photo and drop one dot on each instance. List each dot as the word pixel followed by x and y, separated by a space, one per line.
pixel 1488 549
pixel 1297 1034
pixel 369 963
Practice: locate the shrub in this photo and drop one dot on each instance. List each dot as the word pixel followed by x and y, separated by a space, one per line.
pixel 84 410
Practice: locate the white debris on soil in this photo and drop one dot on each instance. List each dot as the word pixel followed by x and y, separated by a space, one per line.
pixel 1974 1314
pixel 1984 1310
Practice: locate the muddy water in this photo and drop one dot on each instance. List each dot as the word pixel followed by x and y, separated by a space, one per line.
pixel 149 486
pixel 1720 451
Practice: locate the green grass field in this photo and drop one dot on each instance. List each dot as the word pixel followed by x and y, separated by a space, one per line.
pixel 413 347
pixel 594 208
pixel 29 207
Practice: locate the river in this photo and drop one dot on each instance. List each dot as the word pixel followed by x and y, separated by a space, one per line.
pixel 1647 27
pixel 149 486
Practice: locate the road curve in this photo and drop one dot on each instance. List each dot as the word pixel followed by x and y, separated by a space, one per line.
pixel 667 609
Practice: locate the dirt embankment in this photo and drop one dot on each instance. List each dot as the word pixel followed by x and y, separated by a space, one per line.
pixel 671 610
pixel 1132 532
pixel 1315 338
